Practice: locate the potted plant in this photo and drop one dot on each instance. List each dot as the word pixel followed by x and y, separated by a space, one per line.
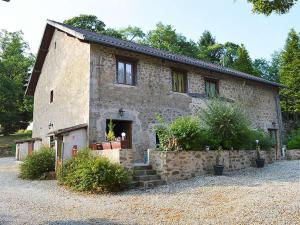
pixel 110 136
pixel 260 162
pixel 119 144
pixel 218 168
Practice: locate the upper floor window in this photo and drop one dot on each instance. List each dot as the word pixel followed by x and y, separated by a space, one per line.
pixel 126 71
pixel 179 81
pixel 211 88
pixel 51 96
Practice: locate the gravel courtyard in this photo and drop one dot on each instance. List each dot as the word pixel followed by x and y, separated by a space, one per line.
pixel 254 196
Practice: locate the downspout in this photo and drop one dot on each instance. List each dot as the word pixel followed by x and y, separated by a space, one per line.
pixel 280 123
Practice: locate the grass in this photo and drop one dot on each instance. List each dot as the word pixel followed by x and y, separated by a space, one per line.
pixel 8 142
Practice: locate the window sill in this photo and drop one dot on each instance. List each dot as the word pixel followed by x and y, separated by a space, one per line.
pixel 124 85
pixel 180 93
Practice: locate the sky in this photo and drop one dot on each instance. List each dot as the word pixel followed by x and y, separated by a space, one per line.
pixel 228 20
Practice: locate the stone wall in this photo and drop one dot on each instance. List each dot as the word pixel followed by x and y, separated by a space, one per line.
pixel 153 95
pixel 292 154
pixel 124 156
pixel 178 165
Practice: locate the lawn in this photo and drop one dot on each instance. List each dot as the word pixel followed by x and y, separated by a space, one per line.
pixel 8 141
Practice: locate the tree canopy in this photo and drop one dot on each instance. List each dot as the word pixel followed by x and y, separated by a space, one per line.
pixel 92 23
pixel 209 50
pixel 132 33
pixel 165 37
pixel 243 61
pixel 268 70
pixel 87 22
pixel 267 7
pixel 290 72
pixel 15 63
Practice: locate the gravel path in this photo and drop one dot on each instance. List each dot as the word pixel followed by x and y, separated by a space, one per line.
pixel 254 196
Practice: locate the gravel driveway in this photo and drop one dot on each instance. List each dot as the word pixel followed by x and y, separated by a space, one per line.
pixel 254 196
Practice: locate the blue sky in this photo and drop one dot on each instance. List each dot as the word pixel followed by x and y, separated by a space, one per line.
pixel 228 20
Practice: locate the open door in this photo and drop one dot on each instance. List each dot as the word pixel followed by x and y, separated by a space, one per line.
pixel 121 126
pixel 274 137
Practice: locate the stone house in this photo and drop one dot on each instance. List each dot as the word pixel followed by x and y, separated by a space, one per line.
pixel 82 79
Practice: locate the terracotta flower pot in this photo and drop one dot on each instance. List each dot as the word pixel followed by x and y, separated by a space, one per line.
pixel 93 146
pixel 99 146
pixel 119 144
pixel 106 145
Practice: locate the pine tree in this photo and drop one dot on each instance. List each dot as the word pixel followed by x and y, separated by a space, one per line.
pixel 243 61
pixel 209 49
pixel 290 73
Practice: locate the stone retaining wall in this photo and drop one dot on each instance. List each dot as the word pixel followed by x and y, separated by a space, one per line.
pixel 292 154
pixel 124 156
pixel 178 165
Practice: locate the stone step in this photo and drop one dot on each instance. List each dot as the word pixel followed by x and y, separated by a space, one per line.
pixel 144 172
pixel 151 183
pixel 134 184
pixel 148 167
pixel 146 177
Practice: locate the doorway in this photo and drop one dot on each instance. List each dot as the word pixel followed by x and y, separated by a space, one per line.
pixel 30 148
pixel 274 139
pixel 121 126
pixel 59 150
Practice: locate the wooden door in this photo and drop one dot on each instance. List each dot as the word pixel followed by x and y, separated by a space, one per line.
pixel 59 149
pixel 30 148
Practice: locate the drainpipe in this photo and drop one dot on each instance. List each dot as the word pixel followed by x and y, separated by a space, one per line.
pixel 280 123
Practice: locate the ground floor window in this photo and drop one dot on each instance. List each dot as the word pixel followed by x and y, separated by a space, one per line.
pixel 52 142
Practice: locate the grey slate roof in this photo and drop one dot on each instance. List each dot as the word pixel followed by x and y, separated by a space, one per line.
pixel 92 37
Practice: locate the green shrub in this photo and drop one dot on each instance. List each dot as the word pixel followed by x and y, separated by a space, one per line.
pixel 227 124
pixel 85 172
pixel 167 141
pixel 186 130
pixel 294 140
pixel 40 162
pixel 265 141
pixel 21 131
pixel 184 133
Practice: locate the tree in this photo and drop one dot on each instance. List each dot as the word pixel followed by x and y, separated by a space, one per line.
pixel 290 72
pixel 15 63
pixel 87 22
pixel 243 61
pixel 229 54
pixel 165 37
pixel 113 33
pixel 131 33
pixel 267 7
pixel 268 70
pixel 274 67
pixel 209 50
pixel 92 23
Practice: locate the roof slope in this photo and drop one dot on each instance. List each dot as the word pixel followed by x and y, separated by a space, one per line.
pixel 92 37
